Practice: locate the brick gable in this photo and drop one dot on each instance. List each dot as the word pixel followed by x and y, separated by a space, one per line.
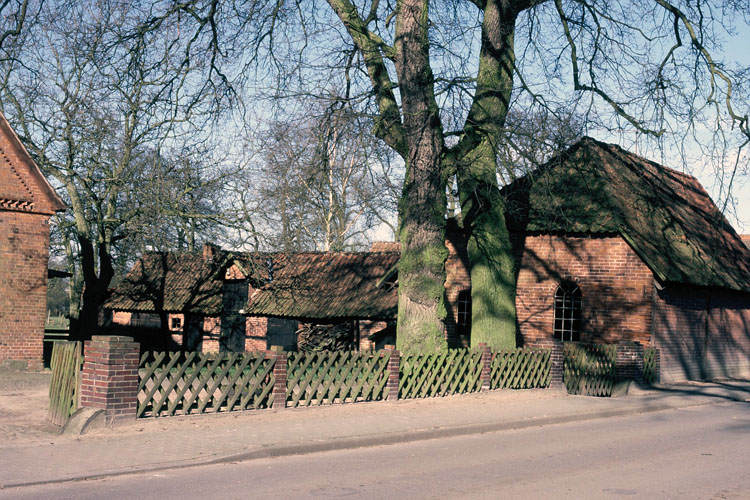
pixel 26 203
pixel 22 185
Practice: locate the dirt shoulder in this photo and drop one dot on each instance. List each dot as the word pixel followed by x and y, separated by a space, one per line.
pixel 23 408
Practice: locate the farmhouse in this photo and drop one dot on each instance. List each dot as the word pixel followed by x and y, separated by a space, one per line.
pixel 26 203
pixel 220 300
pixel 609 248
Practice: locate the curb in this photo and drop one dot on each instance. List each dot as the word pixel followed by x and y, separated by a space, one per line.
pixel 347 443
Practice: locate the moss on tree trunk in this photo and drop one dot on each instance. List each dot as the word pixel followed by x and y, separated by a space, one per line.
pixel 492 270
pixel 421 304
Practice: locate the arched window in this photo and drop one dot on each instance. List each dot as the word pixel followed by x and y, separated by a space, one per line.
pixel 567 312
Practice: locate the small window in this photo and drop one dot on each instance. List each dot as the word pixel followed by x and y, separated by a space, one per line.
pixel 568 308
pixel 463 312
pixel 176 323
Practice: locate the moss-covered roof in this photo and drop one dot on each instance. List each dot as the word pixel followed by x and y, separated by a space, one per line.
pixel 666 216
pixel 295 285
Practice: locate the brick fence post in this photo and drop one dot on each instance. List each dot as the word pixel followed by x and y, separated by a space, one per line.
pixel 486 361
pixel 280 376
pixel 109 379
pixel 629 361
pixel 394 367
pixel 555 360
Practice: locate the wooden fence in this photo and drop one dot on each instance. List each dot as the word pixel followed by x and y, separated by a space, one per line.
pixel 454 371
pixel 64 387
pixel 195 382
pixel 523 368
pixel 186 383
pixel 589 369
pixel 328 377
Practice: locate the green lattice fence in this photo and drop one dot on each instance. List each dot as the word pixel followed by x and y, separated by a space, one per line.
pixel 589 369
pixel 453 371
pixel 524 368
pixel 195 382
pixel 649 365
pixel 63 388
pixel 328 377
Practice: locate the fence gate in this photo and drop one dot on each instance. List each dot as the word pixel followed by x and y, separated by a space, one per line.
pixel 64 386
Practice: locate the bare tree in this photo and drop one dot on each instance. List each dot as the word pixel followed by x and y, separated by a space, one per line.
pixel 92 99
pixel 325 182
pixel 439 81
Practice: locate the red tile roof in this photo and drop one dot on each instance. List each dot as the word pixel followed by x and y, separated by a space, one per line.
pixel 310 285
pixel 321 285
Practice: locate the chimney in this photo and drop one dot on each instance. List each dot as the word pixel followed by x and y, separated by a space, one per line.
pixel 210 251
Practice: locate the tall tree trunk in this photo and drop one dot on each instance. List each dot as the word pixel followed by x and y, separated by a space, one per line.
pixel 493 287
pixel 421 305
pixel 493 278
pixel 94 286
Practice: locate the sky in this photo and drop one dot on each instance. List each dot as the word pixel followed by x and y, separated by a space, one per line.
pixel 737 49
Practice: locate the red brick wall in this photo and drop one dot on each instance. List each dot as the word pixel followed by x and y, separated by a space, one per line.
pixel 256 329
pixel 369 327
pixel 211 334
pixel 24 255
pixel 109 379
pixel 457 279
pixel 616 287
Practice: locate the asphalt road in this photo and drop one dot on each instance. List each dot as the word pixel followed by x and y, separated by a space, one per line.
pixel 700 452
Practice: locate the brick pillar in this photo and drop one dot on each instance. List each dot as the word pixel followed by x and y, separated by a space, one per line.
pixel 486 374
pixel 109 379
pixel 555 360
pixel 394 365
pixel 629 361
pixel 279 374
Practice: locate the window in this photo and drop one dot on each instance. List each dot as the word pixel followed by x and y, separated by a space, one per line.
pixel 176 323
pixel 463 312
pixel 567 312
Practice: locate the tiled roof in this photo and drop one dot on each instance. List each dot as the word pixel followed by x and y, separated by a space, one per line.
pixel 321 285
pixel 294 285
pixel 170 282
pixel 385 246
pixel 666 216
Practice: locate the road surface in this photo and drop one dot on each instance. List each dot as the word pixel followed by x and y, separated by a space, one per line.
pixel 699 452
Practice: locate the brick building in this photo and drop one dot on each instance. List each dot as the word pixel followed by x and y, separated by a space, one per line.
pixel 613 248
pixel 233 301
pixel 26 203
pixel 609 248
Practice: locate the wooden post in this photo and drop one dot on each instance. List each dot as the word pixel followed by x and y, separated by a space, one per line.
pixel 279 375
pixel 486 373
pixel 394 365
pixel 109 379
